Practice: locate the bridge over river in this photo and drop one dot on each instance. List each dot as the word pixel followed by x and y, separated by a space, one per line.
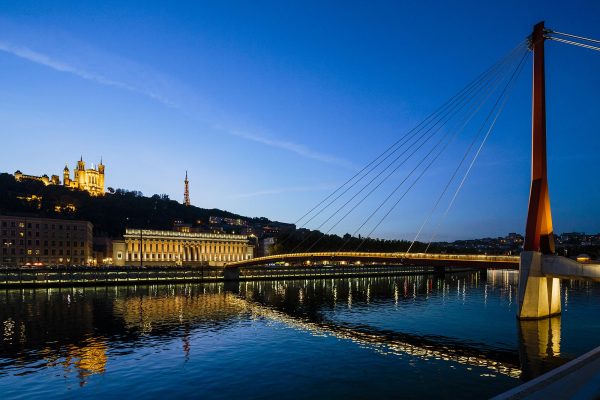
pixel 539 266
pixel 358 258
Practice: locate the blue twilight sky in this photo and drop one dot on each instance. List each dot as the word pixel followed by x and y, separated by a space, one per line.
pixel 270 105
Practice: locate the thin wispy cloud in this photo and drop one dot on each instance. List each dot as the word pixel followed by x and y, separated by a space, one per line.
pixel 293 147
pixel 281 190
pixel 184 102
pixel 48 61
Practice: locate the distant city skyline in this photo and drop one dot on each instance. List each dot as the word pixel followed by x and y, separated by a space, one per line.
pixel 270 108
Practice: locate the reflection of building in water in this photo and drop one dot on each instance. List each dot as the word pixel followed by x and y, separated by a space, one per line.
pixel 85 359
pixel 88 359
pixel 148 313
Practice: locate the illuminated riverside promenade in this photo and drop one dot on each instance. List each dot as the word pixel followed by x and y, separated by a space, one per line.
pixel 385 264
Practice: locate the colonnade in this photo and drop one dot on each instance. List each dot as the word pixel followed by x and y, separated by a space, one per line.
pixel 174 251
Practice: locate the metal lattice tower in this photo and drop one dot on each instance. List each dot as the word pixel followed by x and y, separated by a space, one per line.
pixel 186 192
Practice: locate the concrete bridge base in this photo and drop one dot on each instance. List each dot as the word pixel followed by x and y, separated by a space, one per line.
pixel 539 295
pixel 231 274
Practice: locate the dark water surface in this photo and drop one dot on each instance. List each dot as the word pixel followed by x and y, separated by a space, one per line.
pixel 378 337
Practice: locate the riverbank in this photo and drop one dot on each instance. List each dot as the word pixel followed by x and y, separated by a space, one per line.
pixel 93 276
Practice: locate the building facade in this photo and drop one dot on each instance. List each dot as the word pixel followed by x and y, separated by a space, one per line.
pixel 54 180
pixel 158 248
pixel 91 179
pixel 45 241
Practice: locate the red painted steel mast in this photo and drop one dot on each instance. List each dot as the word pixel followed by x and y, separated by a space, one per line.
pixel 538 232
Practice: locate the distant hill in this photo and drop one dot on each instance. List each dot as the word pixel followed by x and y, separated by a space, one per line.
pixel 114 212
pixel 110 214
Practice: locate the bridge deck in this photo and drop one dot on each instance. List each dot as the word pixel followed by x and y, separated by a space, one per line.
pixel 562 267
pixel 400 258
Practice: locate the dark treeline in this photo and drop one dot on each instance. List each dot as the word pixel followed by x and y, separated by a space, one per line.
pixel 110 214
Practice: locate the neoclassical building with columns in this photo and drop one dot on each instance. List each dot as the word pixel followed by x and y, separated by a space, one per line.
pixel 157 248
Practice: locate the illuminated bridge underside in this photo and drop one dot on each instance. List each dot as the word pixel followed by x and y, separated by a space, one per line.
pixel 446 260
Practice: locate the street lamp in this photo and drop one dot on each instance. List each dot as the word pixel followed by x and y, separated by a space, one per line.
pixel 8 244
pixel 141 244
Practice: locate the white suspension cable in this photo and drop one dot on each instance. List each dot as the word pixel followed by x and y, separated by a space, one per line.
pixel 587 46
pixel 476 155
pixel 573 36
pixel 468 150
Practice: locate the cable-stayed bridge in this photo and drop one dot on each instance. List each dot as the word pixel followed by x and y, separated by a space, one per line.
pixel 463 123
pixel 429 259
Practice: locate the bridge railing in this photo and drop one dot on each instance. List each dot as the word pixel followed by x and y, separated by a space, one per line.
pixel 391 256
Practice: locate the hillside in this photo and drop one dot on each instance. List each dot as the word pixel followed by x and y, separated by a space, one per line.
pixel 110 214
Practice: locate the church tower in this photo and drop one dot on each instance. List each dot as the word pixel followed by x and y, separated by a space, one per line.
pixel 186 192
pixel 80 174
pixel 66 176
pixel 101 176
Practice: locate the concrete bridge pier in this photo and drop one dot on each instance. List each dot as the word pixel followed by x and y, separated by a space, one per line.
pixel 231 273
pixel 539 295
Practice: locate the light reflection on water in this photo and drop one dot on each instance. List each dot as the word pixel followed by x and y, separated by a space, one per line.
pixel 432 336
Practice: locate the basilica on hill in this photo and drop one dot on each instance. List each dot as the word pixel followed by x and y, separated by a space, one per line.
pixel 90 180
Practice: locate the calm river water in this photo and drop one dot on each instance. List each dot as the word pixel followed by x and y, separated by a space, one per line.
pixel 377 337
